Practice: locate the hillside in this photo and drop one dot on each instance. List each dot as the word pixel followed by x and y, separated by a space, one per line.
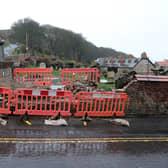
pixel 53 41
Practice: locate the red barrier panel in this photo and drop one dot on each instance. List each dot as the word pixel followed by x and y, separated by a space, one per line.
pixel 42 102
pixel 5 100
pixel 38 76
pixel 99 104
pixel 70 75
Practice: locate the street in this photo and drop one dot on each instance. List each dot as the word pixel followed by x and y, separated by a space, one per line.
pixel 74 155
pixel 100 144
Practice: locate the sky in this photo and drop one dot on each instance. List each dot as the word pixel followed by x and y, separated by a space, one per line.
pixel 130 26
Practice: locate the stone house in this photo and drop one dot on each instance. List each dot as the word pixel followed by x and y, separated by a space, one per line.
pixel 124 65
pixel 144 65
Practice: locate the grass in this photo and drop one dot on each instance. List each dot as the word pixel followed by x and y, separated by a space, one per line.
pixel 33 66
pixel 56 73
pixel 107 86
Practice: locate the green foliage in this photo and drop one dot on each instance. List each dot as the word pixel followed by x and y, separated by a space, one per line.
pixel 6 43
pixel 125 71
pixel 49 40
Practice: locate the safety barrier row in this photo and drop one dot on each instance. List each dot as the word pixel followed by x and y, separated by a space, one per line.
pixel 37 76
pixel 42 76
pixel 52 102
pixel 5 100
pixel 98 104
pixel 69 75
pixel 42 102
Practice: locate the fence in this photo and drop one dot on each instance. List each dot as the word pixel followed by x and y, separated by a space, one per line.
pixel 37 76
pixel 70 75
pixel 52 102
pixel 97 104
pixel 5 100
pixel 42 102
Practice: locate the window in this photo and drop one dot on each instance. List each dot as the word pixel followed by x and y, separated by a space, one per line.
pixel 135 61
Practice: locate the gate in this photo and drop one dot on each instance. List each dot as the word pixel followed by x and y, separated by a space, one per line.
pixel 70 75
pixel 98 104
pixel 5 100
pixel 37 76
pixel 42 102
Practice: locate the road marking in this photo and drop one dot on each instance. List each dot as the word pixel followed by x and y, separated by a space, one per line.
pixel 83 140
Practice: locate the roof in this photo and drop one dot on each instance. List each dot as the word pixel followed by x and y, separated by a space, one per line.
pixel 142 58
pixel 162 63
pixel 151 78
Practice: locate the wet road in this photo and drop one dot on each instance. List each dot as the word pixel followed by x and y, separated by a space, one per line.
pixel 16 153
pixel 98 128
pixel 75 155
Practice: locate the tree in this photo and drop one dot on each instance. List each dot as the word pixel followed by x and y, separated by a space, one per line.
pixel 27 32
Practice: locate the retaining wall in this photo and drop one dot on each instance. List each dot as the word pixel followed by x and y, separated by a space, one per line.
pixel 147 98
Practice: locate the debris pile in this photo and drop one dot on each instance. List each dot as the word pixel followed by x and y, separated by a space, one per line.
pixel 83 85
pixel 16 85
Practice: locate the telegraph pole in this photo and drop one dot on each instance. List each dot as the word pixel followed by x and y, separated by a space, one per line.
pixel 27 44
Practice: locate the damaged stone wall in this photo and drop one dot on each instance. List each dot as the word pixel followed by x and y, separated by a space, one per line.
pixel 6 73
pixel 147 98
pixel 6 70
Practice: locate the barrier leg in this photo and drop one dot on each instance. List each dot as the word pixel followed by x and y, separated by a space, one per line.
pixel 86 119
pixel 25 119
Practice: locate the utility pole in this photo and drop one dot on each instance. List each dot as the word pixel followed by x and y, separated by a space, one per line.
pixel 1 49
pixel 27 48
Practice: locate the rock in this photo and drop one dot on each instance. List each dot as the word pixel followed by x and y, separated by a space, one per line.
pixel 59 122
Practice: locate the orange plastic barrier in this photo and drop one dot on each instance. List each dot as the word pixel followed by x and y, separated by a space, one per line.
pixel 38 76
pixel 70 75
pixel 42 102
pixel 5 100
pixel 99 104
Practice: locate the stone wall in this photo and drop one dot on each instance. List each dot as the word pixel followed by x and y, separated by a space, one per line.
pixel 143 67
pixel 6 70
pixel 6 73
pixel 147 98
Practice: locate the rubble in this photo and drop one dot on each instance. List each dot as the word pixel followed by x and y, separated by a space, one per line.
pixel 83 85
pixel 16 85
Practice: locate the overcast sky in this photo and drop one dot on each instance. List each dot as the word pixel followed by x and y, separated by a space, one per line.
pixel 131 26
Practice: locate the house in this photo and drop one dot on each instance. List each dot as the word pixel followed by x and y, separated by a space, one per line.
pixel 123 65
pixel 162 64
pixel 144 65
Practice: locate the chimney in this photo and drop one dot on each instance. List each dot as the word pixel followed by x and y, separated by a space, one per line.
pixel 144 55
